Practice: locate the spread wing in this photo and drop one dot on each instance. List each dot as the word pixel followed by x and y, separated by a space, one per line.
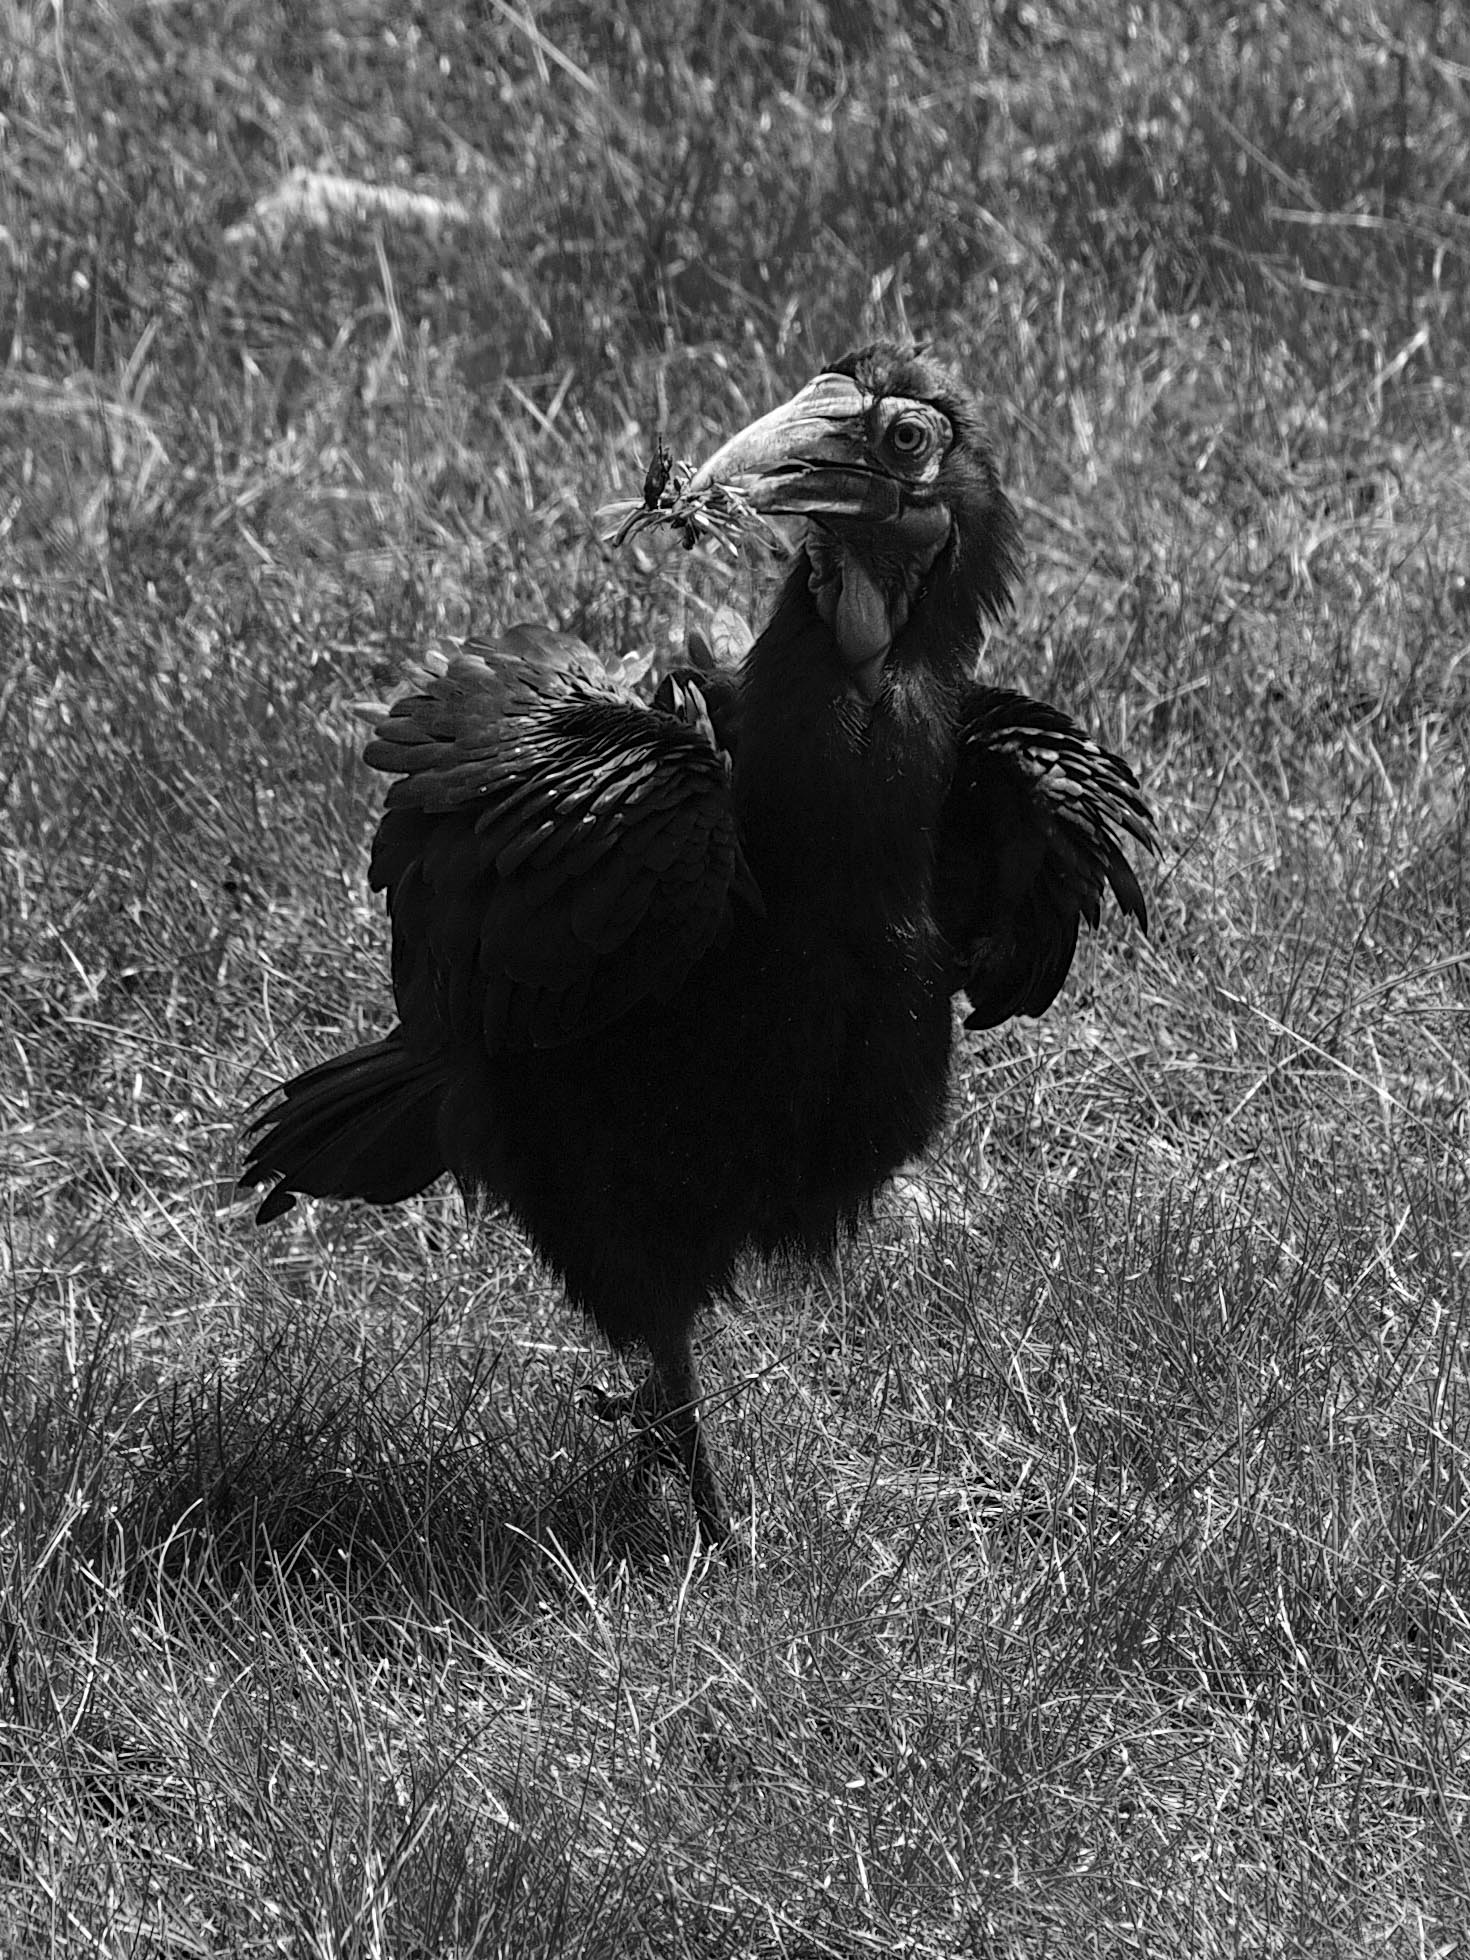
pixel 553 851
pixel 1034 828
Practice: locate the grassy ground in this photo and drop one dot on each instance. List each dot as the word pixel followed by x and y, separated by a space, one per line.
pixel 1109 1502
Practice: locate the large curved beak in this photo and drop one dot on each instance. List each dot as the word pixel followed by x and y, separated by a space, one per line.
pixel 808 458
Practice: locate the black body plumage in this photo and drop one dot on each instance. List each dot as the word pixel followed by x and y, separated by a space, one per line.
pixel 673 981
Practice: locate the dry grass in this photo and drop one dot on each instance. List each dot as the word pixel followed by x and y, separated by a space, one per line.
pixel 1109 1501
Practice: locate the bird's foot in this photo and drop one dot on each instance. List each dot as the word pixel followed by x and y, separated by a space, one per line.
pixel 610 1405
pixel 671 1438
pixel 643 1406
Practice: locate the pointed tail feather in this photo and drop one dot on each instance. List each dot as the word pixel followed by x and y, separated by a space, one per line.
pixel 363 1125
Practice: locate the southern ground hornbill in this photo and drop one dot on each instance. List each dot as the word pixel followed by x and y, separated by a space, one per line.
pixel 674 981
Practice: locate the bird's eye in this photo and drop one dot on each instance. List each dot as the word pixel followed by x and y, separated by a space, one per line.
pixel 911 438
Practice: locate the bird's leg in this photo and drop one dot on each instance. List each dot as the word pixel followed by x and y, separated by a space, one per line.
pixel 643 1408
pixel 664 1409
pixel 668 1400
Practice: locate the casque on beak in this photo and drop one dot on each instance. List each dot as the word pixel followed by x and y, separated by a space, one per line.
pixel 807 458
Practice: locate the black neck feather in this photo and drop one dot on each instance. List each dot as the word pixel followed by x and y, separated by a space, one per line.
pixel 837 797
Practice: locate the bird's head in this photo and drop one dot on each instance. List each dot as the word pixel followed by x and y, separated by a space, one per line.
pixel 883 455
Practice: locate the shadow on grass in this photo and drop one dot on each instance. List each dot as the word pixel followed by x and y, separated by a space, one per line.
pixel 416 1507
